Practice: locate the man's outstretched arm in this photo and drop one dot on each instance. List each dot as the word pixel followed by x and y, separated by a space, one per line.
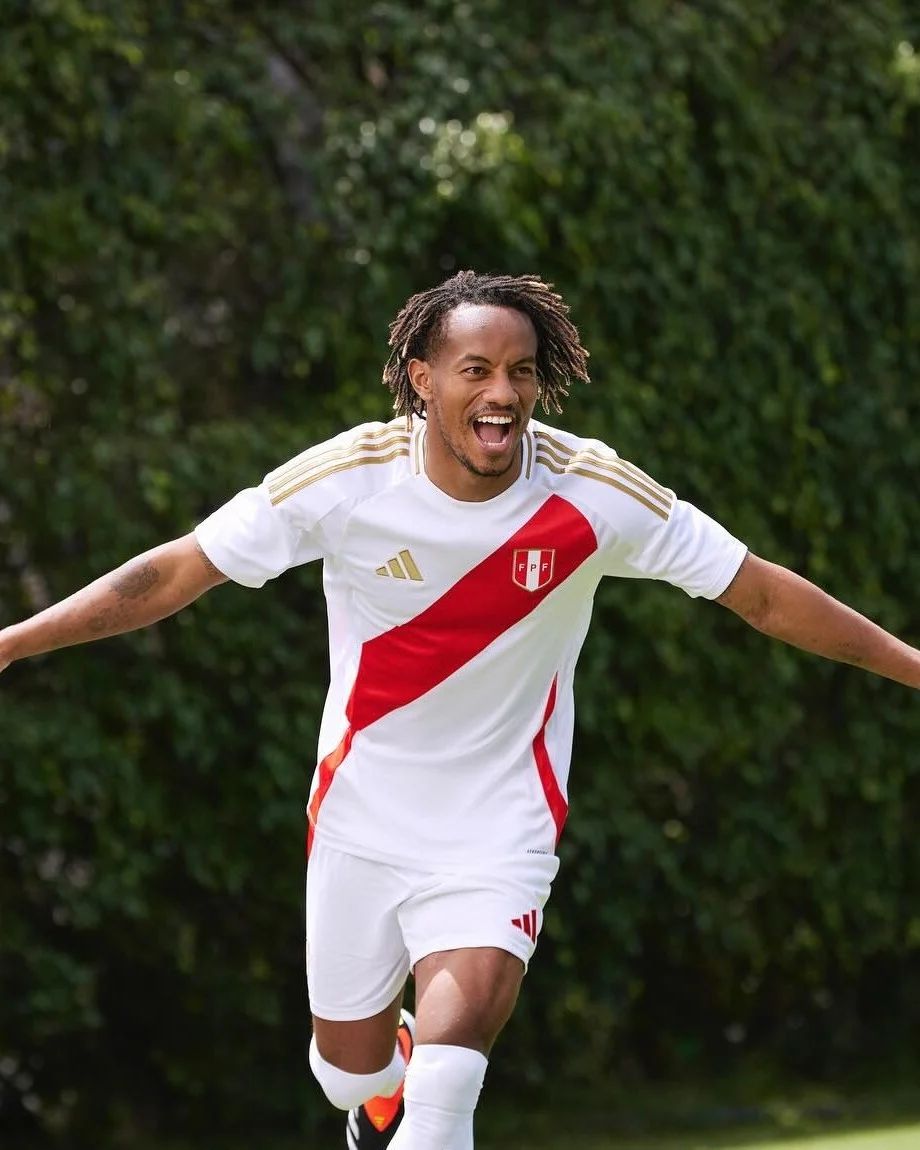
pixel 788 607
pixel 142 591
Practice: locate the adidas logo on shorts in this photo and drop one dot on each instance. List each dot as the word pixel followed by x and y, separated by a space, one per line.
pixel 528 924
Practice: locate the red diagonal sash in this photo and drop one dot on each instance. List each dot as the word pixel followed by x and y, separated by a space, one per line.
pixel 408 661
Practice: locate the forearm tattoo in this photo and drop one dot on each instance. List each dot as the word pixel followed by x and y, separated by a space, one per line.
pixel 137 580
pixel 209 566
pixel 129 584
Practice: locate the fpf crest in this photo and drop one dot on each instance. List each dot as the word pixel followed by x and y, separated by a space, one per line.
pixel 533 569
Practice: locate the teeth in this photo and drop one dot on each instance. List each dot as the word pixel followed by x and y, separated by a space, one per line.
pixel 494 419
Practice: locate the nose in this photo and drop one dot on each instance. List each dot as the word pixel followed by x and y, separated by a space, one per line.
pixel 501 390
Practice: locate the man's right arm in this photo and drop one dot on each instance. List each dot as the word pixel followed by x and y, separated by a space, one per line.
pixel 142 591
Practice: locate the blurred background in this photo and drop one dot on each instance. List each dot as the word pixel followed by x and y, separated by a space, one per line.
pixel 209 214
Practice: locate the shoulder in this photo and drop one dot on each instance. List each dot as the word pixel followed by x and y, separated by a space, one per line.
pixel 350 459
pixel 595 471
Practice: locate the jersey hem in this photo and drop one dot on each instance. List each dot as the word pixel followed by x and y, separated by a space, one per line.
pixel 414 862
pixel 728 573
pixel 215 555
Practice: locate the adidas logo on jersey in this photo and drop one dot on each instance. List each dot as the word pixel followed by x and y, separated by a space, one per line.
pixel 401 567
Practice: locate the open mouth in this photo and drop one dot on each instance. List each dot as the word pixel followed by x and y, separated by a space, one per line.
pixel 493 431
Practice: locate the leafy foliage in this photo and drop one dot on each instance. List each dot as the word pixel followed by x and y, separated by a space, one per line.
pixel 207 220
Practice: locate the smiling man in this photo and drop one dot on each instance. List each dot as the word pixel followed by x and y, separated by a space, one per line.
pixel 462 544
pixel 479 401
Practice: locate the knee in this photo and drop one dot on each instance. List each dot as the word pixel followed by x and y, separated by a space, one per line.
pixel 346 1090
pixel 490 1018
pixel 477 1027
pixel 446 1076
pixel 467 996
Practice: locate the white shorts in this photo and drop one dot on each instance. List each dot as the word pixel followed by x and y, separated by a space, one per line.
pixel 369 923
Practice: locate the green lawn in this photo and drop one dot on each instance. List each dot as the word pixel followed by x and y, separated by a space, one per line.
pixel 553 1133
pixel 884 1138
pixel 685 1119
pixel 893 1138
pixel 666 1119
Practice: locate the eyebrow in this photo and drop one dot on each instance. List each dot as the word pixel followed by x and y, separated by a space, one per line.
pixel 471 357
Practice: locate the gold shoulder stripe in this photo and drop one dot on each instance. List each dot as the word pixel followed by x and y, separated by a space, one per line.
pixel 312 461
pixel 615 468
pixel 610 465
pixel 588 454
pixel 546 441
pixel 571 469
pixel 550 464
pixel 640 474
pixel 315 456
pixel 562 456
pixel 332 469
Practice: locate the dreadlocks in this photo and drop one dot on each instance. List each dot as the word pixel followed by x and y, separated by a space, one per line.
pixel 418 330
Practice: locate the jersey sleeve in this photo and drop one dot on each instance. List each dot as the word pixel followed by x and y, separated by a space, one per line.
pixel 252 540
pixel 644 530
pixel 300 509
pixel 688 549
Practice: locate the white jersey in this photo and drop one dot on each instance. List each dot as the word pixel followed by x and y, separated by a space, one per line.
pixel 454 627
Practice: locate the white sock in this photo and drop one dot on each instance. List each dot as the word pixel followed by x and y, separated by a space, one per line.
pixel 441 1092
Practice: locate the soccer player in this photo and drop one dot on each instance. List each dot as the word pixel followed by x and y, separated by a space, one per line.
pixel 462 543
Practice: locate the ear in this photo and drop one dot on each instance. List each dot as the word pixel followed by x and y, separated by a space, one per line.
pixel 420 377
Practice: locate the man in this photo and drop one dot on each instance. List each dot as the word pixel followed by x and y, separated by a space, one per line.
pixel 462 544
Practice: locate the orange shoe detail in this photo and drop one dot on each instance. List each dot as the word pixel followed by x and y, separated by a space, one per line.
pixel 404 1041
pixel 383 1109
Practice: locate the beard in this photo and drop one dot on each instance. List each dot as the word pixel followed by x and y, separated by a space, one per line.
pixel 454 444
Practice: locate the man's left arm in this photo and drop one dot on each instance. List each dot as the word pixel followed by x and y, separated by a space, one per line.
pixel 784 605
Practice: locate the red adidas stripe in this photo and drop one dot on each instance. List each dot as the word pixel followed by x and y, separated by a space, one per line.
pixel 558 807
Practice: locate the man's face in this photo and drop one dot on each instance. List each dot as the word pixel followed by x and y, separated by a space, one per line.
pixel 479 388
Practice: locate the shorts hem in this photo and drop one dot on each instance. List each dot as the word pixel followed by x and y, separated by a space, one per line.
pixel 453 942
pixel 358 1015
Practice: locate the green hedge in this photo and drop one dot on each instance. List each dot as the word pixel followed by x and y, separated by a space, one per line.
pixel 207 221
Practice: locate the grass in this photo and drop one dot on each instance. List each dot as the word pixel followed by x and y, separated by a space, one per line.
pixel 883 1138
pixel 555 1134
pixel 667 1119
pixel 899 1138
pixel 826 1120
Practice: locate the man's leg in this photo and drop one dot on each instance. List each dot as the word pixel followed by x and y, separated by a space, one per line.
pixel 357 965
pixel 468 936
pixel 463 999
pixel 362 1047
pixel 373 1098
